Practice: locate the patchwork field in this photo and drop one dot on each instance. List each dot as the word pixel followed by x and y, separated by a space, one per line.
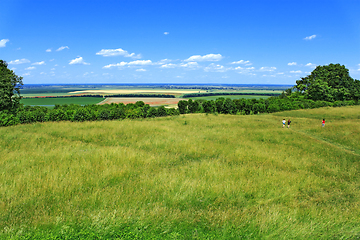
pixel 194 176
pixel 170 102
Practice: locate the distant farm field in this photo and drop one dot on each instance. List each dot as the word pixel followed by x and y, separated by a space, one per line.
pixel 61 101
pixel 151 101
pixel 192 176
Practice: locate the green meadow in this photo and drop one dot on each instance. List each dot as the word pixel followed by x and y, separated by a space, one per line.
pixel 61 101
pixel 193 176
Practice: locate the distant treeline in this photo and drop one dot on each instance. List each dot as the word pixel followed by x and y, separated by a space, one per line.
pixel 79 113
pixel 190 95
pixel 254 106
pixel 113 95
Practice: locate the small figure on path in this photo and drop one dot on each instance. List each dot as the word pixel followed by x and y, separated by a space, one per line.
pixel 323 123
pixel 289 123
pixel 283 121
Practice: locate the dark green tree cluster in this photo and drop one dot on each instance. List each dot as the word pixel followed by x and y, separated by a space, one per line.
pixel 10 85
pixel 79 113
pixel 254 106
pixel 327 83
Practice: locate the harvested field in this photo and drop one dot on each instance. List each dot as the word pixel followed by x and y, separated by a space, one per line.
pixel 137 91
pixel 151 101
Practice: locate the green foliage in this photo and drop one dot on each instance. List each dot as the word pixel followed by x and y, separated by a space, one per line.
pixel 328 83
pixel 10 85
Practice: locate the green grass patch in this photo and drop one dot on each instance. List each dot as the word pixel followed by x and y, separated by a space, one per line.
pixel 61 101
pixel 193 176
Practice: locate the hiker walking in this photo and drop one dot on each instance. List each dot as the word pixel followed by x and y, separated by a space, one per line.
pixel 323 122
pixel 289 123
pixel 284 122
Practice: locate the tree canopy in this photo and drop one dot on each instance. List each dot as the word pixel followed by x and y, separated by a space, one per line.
pixel 329 83
pixel 10 85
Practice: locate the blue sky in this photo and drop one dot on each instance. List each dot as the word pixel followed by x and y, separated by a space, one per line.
pixel 217 42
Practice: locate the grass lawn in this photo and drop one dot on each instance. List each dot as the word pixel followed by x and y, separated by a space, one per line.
pixel 193 176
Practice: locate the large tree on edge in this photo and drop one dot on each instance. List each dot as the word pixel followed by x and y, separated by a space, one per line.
pixel 10 85
pixel 329 83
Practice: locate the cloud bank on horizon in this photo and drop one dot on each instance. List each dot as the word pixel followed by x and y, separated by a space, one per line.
pixel 252 42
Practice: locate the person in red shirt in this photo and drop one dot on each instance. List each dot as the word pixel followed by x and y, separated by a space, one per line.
pixel 323 122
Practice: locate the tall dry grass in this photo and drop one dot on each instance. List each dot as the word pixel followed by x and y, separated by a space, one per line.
pixel 213 176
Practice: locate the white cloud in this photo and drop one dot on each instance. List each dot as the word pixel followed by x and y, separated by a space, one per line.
pixel 267 69
pixel 250 68
pixel 3 42
pixel 215 68
pixel 191 65
pixel 169 65
pixel 209 57
pixel 62 48
pixel 292 64
pixel 140 62
pixel 310 37
pixel 133 63
pixel 166 33
pixel 78 60
pixel 48 50
pixel 19 61
pixel 246 63
pixel 298 71
pixel 117 52
pixel 39 63
pixel 238 68
pixel 141 70
pixel 26 74
pixel 30 68
pixel 311 65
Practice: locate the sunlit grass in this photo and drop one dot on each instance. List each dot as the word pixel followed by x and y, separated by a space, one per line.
pixel 191 176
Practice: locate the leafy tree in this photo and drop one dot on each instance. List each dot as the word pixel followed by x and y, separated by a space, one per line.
pixel 329 83
pixel 9 88
pixel 183 106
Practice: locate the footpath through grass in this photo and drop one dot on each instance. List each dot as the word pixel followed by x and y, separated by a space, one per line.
pixel 188 177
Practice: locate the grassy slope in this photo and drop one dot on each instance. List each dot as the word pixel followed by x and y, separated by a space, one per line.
pixel 193 176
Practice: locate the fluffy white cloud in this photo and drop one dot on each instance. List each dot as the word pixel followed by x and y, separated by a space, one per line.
pixel 298 71
pixel 62 48
pixel 117 52
pixel 133 63
pixel 169 65
pixel 209 57
pixel 3 42
pixel 310 37
pixel 141 70
pixel 191 65
pixel 267 69
pixel 140 62
pixel 39 63
pixel 48 50
pixel 166 33
pixel 246 63
pixel 30 68
pixel 26 74
pixel 292 64
pixel 215 68
pixel 312 65
pixel 78 60
pixel 19 61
